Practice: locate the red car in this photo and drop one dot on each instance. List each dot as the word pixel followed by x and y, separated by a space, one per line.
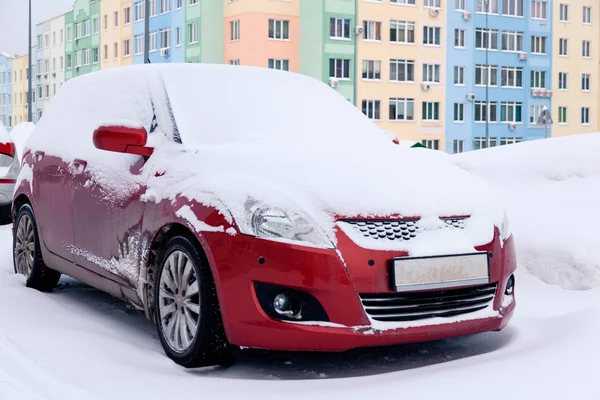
pixel 241 206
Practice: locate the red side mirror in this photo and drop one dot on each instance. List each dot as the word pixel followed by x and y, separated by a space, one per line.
pixel 7 149
pixel 122 139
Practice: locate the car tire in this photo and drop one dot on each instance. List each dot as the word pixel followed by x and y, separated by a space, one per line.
pixel 185 294
pixel 27 254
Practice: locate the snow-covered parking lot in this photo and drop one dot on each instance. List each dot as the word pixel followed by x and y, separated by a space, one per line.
pixel 78 343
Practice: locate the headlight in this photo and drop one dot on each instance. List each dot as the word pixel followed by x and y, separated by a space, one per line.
pixel 282 224
pixel 505 228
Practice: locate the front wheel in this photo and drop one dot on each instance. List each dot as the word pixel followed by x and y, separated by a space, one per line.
pixel 188 317
pixel 27 255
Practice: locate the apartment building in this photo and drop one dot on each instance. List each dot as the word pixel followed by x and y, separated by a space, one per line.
pixel 402 64
pixel 167 20
pixel 499 71
pixel 575 59
pixel 20 70
pixel 203 38
pixel 6 75
pixel 82 42
pixel 116 33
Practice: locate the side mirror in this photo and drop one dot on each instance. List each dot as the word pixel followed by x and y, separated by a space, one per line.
pixel 122 139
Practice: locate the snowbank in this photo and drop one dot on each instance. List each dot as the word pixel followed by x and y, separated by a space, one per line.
pixel 551 189
pixel 20 134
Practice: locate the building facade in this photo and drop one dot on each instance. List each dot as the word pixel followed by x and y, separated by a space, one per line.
pixel 499 72
pixel 203 37
pixel 82 43
pixel 6 75
pixel 575 61
pixel 116 33
pixel 20 69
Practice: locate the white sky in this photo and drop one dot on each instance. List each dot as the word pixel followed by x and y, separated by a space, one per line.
pixel 14 21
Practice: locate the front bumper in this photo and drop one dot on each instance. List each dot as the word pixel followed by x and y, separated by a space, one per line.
pixel 335 279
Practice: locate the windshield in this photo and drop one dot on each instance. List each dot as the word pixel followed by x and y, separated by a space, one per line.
pixel 215 104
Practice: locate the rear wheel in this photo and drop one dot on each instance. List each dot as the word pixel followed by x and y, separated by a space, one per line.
pixel 188 317
pixel 27 255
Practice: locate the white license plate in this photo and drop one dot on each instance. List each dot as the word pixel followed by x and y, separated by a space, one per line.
pixel 440 272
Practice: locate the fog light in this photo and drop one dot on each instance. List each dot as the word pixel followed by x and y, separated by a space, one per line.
pixel 281 303
pixel 286 306
pixel 510 286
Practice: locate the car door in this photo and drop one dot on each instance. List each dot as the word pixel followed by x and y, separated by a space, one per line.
pixel 51 185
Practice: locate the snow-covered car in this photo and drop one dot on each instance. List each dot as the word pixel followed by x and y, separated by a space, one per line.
pixel 9 169
pixel 241 206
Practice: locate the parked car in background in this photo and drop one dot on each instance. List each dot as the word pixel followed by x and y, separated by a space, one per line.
pixel 9 170
pixel 241 206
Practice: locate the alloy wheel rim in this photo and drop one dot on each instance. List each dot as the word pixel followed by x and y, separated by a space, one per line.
pixel 179 301
pixel 25 246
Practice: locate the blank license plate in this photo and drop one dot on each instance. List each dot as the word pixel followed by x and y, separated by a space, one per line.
pixel 440 272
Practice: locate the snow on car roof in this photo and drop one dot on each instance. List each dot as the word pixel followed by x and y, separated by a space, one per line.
pixel 278 137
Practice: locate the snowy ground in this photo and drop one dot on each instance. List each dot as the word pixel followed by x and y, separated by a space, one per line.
pixel 78 343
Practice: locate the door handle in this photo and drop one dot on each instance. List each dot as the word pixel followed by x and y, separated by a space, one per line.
pixel 39 155
pixel 80 164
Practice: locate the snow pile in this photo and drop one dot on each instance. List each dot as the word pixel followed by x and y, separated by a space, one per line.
pixel 551 189
pixel 20 134
pixel 253 135
pixel 4 135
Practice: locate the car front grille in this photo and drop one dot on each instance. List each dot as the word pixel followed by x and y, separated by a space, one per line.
pixel 399 307
pixel 405 229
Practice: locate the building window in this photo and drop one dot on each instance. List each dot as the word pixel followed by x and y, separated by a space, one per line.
pixel 62 37
pixel 116 50
pixel 512 41
pixel 431 73
pixel 538 44
pixel 339 28
pixel 512 77
pixel 402 109
pixel 513 8
pixel 481 111
pixel 69 61
pixel 534 112
pixel 78 30
pixel 95 25
pixel 127 15
pixel 564 13
pixel 179 4
pixel 586 51
pixel 138 11
pixel 432 35
pixel 432 3
pixel 234 62
pixel 562 81
pixel 459 38
pixel 585 82
pixel 153 8
pixel 193 28
pixel 279 29
pixel 538 79
pixel 371 70
pixel 86 57
pixel 460 5
pixel 486 39
pixel 402 70
pixel 563 47
pixel 562 115
pixel 126 48
pixel 283 65
pixel 459 146
pixel 402 31
pixel 165 6
pixel 482 143
pixel 371 108
pixel 62 63
pixel 539 9
pixel 116 19
pixel 433 144
pixel 459 112
pixel 153 41
pixel 405 2
pixel 105 21
pixel 372 30
pixel 510 111
pixel 339 68
pixel 587 15
pixel 431 111
pixel 482 6
pixel 459 75
pixel 86 28
pixel 138 44
pixel 69 33
pixel 178 36
pixel 585 115
pixel 165 38
pixel 234 30
pixel 192 2
pixel 95 55
pixel 509 140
